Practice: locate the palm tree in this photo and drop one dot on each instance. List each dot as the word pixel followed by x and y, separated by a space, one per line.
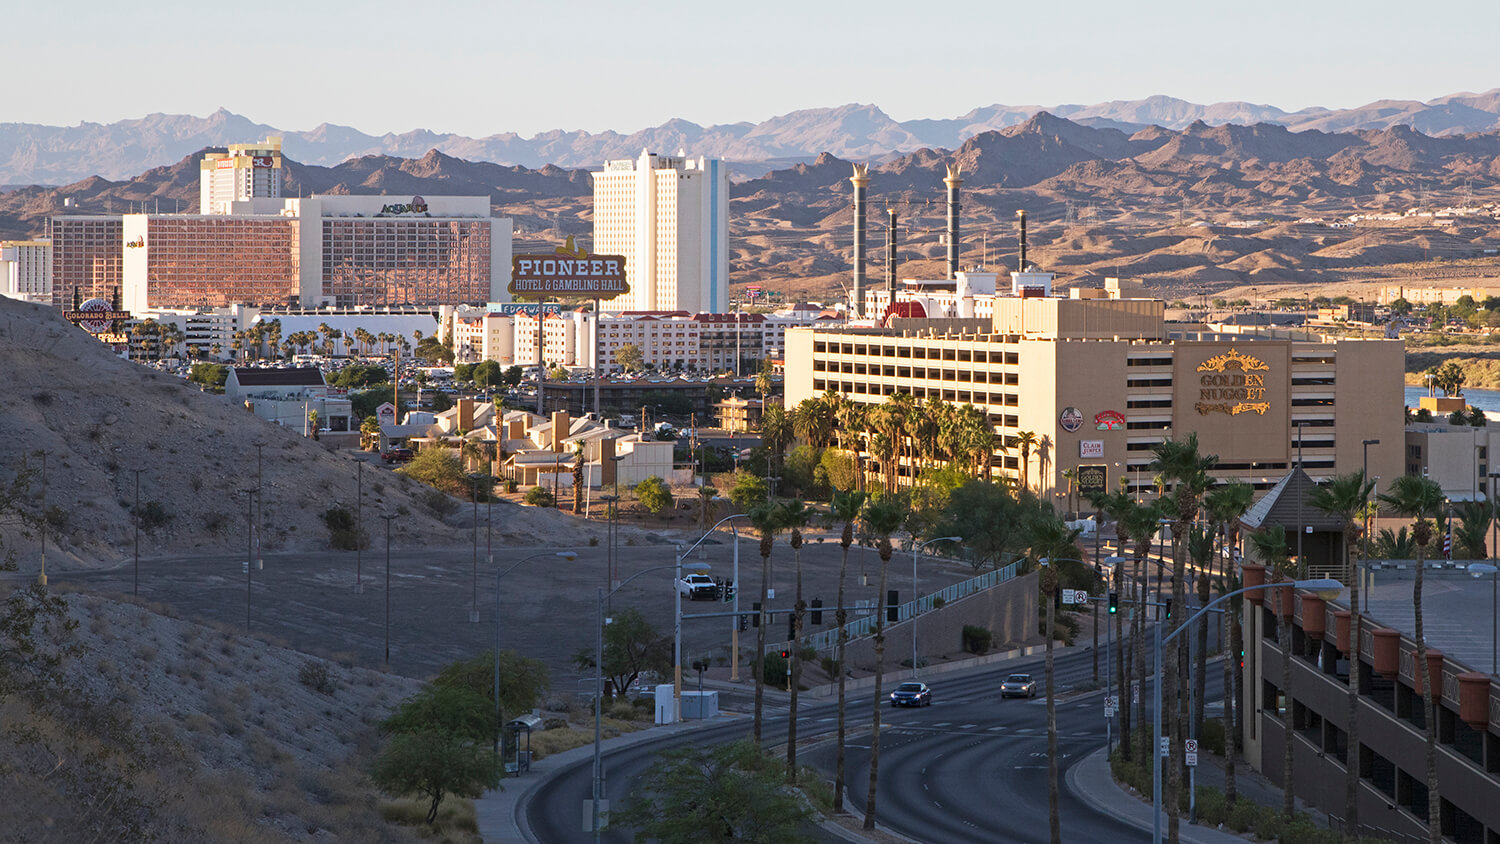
pixel 1026 441
pixel 812 420
pixel 1179 466
pixel 1472 529
pixel 1394 545
pixel 1421 499
pixel 766 519
pixel 794 517
pixel 776 435
pixel 1270 546
pixel 1346 497
pixel 1201 547
pixel 1137 522
pixel 1226 505
pixel 846 509
pixel 578 477
pixel 1053 540
pixel 882 518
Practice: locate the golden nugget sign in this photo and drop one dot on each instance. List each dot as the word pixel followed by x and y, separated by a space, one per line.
pixel 1232 383
pixel 568 272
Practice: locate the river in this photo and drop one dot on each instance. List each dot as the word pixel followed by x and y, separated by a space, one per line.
pixel 1486 400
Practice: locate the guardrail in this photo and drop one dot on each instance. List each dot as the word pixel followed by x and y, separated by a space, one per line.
pixel 865 626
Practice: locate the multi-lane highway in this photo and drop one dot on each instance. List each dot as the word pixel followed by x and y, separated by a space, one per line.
pixel 971 767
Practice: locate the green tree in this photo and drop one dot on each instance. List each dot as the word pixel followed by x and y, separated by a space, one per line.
pixel 725 793
pixel 364 402
pixel 1026 441
pixel 540 496
pixel 441 402
pixel 631 647
pixel 748 491
pixel 841 468
pixel 440 469
pixel 211 375
pixel 654 494
pixel 990 518
pixel 513 376
pixel 1472 530
pixel 766 519
pixel 1401 307
pixel 630 357
pixel 360 375
pixel 522 682
pixel 437 745
pixel 487 373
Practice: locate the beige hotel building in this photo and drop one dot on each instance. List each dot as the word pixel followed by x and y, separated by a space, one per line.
pixel 1100 381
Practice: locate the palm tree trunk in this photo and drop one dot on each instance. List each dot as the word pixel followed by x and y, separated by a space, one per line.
pixel 1142 549
pixel 1173 686
pixel 797 609
pixel 1230 737
pixel 1054 821
pixel 1122 682
pixel 1284 639
pixel 885 564
pixel 842 618
pixel 1429 710
pixel 758 663
pixel 1200 661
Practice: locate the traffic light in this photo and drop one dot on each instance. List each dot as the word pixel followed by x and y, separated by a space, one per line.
pixel 729 591
pixel 892 605
pixel 744 622
pixel 1114 603
pixel 755 618
pixel 785 653
pixel 791 625
pixel 1169 607
pixel 817 610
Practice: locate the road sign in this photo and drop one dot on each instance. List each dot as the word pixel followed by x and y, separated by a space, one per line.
pixel 1165 748
pixel 1109 711
pixel 1070 596
pixel 1135 691
pixel 1190 745
pixel 1112 701
pixel 1192 760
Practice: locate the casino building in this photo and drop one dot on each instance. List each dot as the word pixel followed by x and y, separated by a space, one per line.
pixel 1100 381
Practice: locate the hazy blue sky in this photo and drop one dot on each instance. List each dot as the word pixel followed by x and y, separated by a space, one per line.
pixel 484 67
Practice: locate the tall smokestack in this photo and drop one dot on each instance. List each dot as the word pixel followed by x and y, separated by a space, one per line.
pixel 890 264
pixel 861 181
pixel 1021 215
pixel 953 182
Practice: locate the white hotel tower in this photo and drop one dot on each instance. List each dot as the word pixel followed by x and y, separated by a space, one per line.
pixel 247 171
pixel 669 217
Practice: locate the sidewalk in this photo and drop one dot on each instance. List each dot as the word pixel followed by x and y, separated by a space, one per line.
pixel 1092 781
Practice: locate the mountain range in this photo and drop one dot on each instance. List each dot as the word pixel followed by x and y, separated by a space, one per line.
pixel 1194 209
pixel 38 154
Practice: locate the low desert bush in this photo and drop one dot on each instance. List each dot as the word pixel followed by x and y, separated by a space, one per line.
pixel 977 639
pixel 315 676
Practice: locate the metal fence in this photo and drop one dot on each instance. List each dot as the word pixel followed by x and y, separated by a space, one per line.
pixel 866 626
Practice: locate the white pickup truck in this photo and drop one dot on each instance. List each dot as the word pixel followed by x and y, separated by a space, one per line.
pixel 698 587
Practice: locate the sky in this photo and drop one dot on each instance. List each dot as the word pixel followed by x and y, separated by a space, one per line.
pixel 481 68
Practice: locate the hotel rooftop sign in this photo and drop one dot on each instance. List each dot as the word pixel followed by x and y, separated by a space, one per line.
pixel 568 273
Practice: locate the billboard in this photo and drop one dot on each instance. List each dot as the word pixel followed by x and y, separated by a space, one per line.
pixel 1236 397
pixel 568 275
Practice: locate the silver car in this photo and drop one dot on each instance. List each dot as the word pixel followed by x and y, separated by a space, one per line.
pixel 1018 685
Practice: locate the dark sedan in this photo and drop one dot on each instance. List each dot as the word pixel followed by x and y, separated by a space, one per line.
pixel 912 694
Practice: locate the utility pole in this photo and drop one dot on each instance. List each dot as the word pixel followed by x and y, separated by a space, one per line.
pixel 42 578
pixel 136 586
pixel 388 519
pixel 249 548
pixel 359 527
pixel 260 506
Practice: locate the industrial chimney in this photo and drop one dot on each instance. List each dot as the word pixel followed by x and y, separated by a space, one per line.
pixel 953 182
pixel 890 264
pixel 861 181
pixel 1021 215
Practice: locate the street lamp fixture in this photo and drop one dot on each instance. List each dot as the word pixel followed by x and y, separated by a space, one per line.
pixel 1327 589
pixel 916 596
pixel 566 555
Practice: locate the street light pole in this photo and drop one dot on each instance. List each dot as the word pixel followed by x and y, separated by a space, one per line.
pixel 249 548
pixel 566 555
pixel 598 789
pixel 359 528
pixel 1156 754
pixel 42 578
pixel 388 518
pixel 916 597
pixel 1365 554
pixel 136 587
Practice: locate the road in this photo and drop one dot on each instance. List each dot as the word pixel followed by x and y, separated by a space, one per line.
pixel 968 768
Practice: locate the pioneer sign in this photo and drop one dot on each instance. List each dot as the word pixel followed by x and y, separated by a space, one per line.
pixel 576 274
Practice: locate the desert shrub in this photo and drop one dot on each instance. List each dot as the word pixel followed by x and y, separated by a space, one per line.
pixel 773 669
pixel 1212 809
pixel 1212 739
pixel 1242 816
pixel 1268 823
pixel 977 639
pixel 440 503
pixel 315 676
pixel 343 532
pixel 830 666
pixel 439 468
pixel 215 522
pixel 540 496
pixel 654 494
pixel 808 653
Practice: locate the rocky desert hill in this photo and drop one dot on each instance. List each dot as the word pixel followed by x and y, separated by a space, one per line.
pixel 1192 211
pixel 99 418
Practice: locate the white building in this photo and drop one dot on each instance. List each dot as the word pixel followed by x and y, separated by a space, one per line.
pixel 246 172
pixel 669 217
pixel 26 270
